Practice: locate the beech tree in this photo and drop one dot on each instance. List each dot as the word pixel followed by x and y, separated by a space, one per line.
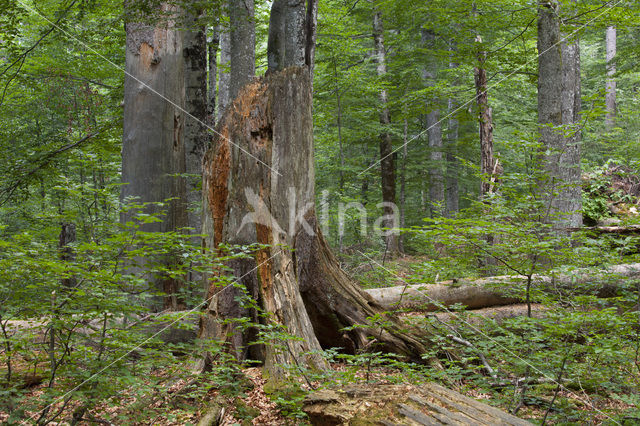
pixel 558 115
pixel 387 158
pixel 258 187
pixel 153 153
pixel 611 48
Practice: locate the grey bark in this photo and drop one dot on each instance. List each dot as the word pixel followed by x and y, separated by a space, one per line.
pixel 611 50
pixel 195 128
pixel 153 154
pixel 434 133
pixel 387 163
pixel 452 191
pixel 403 185
pixel 242 40
pixel 212 90
pixel 451 180
pixel 558 118
pixel 224 71
pixel 287 35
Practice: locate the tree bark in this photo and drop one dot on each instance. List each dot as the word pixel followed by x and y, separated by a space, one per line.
pixel 558 116
pixel 242 40
pixel 195 129
pixel 224 69
pixel 452 188
pixel 434 133
pixel 611 48
pixel 267 197
pixel 387 163
pixel 153 154
pixel 213 46
pixel 485 121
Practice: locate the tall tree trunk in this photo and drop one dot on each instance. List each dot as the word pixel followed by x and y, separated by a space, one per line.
pixel 153 154
pixel 213 46
pixel 224 68
pixel 434 133
pixel 451 183
pixel 485 120
pixel 387 163
pixel 242 44
pixel 403 184
pixel 195 129
pixel 452 191
pixel 339 124
pixel 558 115
pixel 611 48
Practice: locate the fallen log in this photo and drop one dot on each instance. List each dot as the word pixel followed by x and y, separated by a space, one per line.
pixel 502 290
pixel 611 229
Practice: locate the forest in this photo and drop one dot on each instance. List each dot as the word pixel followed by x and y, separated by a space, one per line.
pixel 319 212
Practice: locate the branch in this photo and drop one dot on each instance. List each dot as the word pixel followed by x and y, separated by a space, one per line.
pixel 8 192
pixel 22 57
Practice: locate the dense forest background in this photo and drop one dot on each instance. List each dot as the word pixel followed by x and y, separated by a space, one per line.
pixel 439 108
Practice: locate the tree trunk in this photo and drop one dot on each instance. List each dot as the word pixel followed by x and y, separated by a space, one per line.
pixel 403 185
pixel 224 69
pixel 195 129
pixel 434 134
pixel 261 190
pixel 213 46
pixel 452 189
pixel 242 44
pixel 387 163
pixel 485 120
pixel 558 112
pixel 502 290
pixel 611 47
pixel 153 154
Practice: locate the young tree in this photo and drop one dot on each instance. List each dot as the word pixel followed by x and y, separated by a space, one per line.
pixel 387 163
pixel 558 114
pixel 611 47
pixel 434 131
pixel 153 153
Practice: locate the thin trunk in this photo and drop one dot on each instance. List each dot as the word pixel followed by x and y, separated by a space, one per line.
pixel 485 121
pixel 213 46
pixel 387 163
pixel 611 47
pixel 242 40
pixel 452 190
pixel 339 123
pixel 224 71
pixel 153 154
pixel 403 185
pixel 558 118
pixel 434 133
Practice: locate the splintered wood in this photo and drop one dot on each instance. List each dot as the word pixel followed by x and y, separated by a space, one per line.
pixel 389 405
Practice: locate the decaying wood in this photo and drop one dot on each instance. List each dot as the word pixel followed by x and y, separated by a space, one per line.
pixel 258 187
pixel 428 404
pixel 501 290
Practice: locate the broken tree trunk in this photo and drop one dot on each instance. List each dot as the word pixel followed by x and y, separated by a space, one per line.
pixel 258 187
pixel 500 290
